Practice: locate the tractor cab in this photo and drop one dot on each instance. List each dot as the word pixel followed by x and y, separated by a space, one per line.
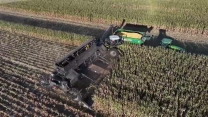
pixel 115 40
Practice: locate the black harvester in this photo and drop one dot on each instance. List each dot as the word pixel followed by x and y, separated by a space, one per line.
pixel 84 66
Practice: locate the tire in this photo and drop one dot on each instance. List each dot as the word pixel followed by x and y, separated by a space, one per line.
pixel 113 52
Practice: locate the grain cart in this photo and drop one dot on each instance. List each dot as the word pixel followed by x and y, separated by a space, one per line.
pixel 84 67
pixel 135 34
pixel 167 43
pixel 132 36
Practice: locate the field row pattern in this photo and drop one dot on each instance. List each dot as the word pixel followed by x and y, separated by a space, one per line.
pixel 34 52
pixel 168 82
pixel 19 84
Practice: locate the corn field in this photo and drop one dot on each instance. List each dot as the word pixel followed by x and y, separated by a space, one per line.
pixel 186 13
pixel 163 82
pixel 146 81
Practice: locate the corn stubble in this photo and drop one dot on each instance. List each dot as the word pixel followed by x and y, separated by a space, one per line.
pixel 23 59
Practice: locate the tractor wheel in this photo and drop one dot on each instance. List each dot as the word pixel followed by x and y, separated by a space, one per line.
pixel 113 52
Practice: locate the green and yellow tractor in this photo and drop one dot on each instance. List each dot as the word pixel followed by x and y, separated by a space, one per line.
pixel 167 43
pixel 131 33
pixel 131 36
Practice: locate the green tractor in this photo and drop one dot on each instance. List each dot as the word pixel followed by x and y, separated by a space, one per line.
pixel 131 36
pixel 135 34
pixel 166 42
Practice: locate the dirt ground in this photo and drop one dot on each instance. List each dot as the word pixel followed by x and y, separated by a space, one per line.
pixel 9 1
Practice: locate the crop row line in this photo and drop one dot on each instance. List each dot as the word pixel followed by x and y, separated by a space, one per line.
pixel 19 54
pixel 28 97
pixel 35 50
pixel 31 64
pixel 25 40
pixel 27 107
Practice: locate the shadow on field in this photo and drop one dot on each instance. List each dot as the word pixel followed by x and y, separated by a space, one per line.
pixel 190 47
pixel 137 27
pixel 71 28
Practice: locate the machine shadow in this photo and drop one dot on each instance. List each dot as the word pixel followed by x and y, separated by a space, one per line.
pixel 58 26
pixel 137 27
pixel 157 39
pixel 190 47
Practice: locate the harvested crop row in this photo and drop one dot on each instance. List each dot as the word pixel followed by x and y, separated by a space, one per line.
pixel 32 51
pixel 19 70
pixel 31 43
pixel 21 93
pixel 29 51
pixel 27 100
pixel 18 85
pixel 39 104
pixel 170 83
pixel 27 60
pixel 29 40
